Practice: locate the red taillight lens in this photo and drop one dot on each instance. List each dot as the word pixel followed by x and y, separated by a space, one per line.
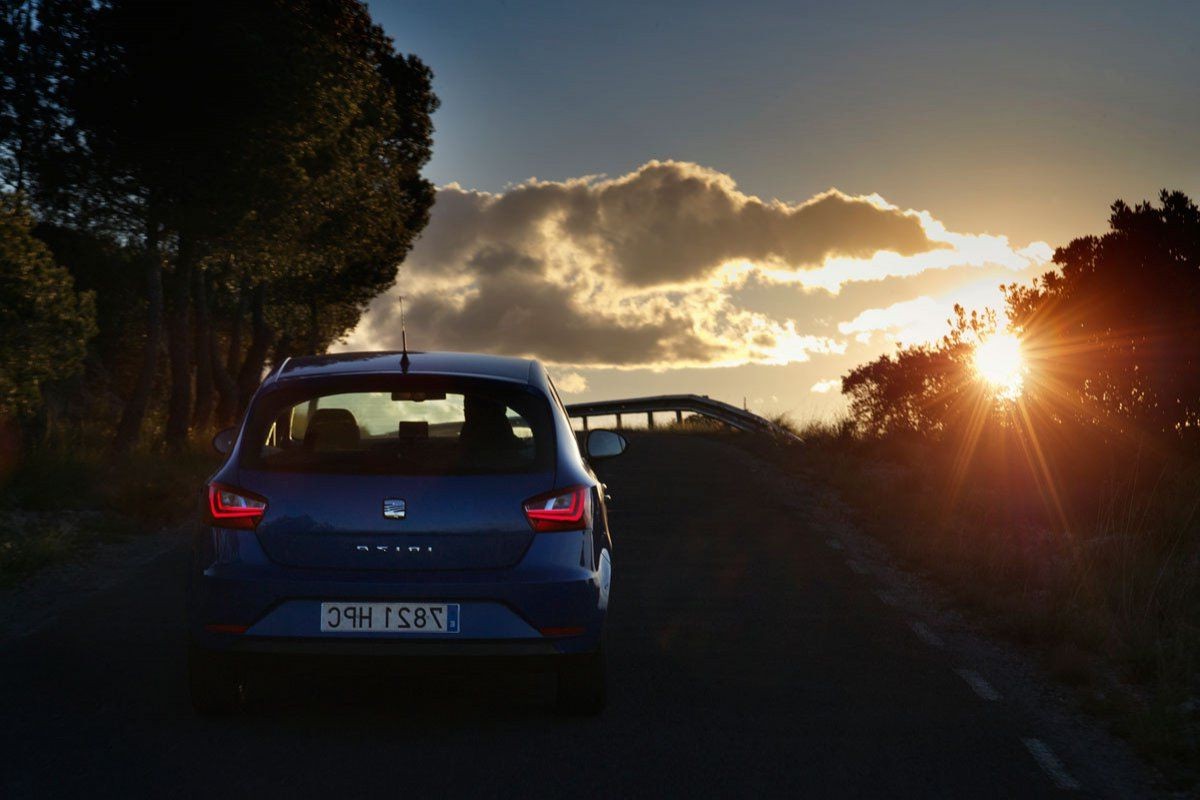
pixel 234 508
pixel 573 631
pixel 567 509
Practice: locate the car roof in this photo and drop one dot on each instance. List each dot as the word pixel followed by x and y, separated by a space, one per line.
pixel 520 370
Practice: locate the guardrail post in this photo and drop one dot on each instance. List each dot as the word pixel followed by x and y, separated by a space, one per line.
pixel 618 422
pixel 649 419
pixel 678 417
pixel 585 424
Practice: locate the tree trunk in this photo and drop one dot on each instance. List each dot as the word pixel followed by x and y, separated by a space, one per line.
pixel 204 360
pixel 314 328
pixel 234 359
pixel 250 375
pixel 179 404
pixel 227 389
pixel 226 373
pixel 129 429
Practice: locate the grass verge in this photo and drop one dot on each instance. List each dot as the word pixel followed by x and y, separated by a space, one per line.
pixel 57 506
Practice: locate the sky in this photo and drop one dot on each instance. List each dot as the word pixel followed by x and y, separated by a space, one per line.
pixel 747 200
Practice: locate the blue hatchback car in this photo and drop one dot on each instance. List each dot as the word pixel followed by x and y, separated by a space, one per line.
pixel 403 505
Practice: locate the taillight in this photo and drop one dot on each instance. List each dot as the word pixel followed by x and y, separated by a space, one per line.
pixel 567 509
pixel 234 508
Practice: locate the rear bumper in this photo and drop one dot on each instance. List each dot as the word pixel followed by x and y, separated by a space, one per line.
pixel 415 650
pixel 240 601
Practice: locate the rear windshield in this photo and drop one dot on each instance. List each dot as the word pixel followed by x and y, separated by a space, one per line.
pixel 401 425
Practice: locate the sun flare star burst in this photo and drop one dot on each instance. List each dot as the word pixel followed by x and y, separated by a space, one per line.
pixel 999 362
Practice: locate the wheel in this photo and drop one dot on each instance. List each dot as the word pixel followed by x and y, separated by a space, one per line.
pixel 581 684
pixel 214 682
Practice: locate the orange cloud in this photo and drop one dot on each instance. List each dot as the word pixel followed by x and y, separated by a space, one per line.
pixel 642 270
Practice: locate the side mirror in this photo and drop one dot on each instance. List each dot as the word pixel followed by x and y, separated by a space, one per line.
pixel 224 441
pixel 605 444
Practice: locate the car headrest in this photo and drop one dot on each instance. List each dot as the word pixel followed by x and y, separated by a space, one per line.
pixel 486 424
pixel 332 429
pixel 417 429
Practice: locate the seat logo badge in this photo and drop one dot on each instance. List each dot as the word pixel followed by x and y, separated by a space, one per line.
pixel 394 508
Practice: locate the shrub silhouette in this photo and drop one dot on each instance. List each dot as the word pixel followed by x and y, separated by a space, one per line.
pixel 1111 340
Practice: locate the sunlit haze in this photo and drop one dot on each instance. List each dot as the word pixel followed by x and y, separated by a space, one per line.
pixel 999 361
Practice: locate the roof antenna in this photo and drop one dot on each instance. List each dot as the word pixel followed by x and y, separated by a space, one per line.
pixel 403 339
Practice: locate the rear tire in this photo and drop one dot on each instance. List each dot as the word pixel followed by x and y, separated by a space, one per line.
pixel 214 682
pixel 582 685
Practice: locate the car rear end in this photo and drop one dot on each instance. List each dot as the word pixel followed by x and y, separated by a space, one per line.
pixel 386 514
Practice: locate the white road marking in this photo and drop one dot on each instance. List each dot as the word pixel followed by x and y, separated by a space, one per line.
pixel 979 684
pixel 857 567
pixel 834 544
pixel 1050 763
pixel 887 597
pixel 927 636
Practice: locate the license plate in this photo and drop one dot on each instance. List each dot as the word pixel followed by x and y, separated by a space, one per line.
pixel 389 618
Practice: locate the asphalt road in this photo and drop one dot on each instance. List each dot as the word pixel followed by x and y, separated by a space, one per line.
pixel 747 657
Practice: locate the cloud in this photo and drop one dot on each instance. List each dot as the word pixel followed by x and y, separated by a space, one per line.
pixel 571 383
pixel 668 222
pixel 908 321
pixel 922 319
pixel 643 270
pixel 953 250
pixel 827 386
pixel 523 313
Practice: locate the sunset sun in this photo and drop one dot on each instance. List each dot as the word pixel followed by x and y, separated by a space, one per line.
pixel 998 361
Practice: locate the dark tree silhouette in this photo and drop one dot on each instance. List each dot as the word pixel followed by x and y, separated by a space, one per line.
pixel 922 389
pixel 1114 336
pixel 259 159
pixel 1111 339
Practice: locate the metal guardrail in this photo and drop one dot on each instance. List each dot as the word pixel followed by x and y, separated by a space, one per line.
pixel 679 403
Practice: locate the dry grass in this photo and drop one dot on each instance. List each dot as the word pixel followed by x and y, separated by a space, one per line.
pixel 56 505
pixel 696 423
pixel 1099 576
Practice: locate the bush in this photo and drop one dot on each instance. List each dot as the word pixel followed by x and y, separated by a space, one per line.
pixel 46 323
pixel 59 504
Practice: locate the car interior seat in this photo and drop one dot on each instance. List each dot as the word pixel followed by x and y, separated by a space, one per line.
pixel 332 429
